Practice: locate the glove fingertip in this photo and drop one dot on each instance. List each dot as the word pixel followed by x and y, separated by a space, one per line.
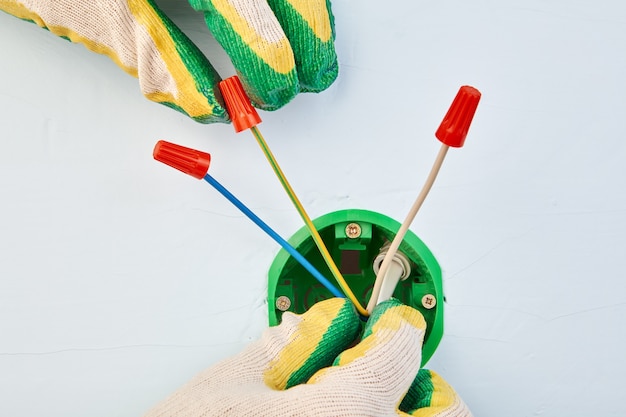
pixel 391 313
pixel 430 394
pixel 258 49
pixel 267 89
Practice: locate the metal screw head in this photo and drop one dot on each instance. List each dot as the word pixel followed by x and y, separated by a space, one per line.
pixel 353 230
pixel 429 301
pixel 283 303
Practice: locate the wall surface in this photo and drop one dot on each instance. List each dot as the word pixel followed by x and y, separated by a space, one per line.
pixel 120 278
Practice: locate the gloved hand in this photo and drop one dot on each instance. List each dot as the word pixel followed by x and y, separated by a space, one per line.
pixel 304 367
pixel 278 47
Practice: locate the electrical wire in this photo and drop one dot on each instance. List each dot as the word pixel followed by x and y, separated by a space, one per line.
pixel 397 240
pixel 307 220
pixel 282 242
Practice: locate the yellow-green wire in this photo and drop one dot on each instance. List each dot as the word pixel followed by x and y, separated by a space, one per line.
pixel 307 220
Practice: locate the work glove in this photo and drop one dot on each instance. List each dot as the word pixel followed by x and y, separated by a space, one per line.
pixel 305 367
pixel 278 47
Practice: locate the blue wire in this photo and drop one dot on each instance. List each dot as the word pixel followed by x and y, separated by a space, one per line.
pixel 282 242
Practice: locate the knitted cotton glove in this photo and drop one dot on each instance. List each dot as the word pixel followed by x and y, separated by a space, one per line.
pixel 278 49
pixel 300 368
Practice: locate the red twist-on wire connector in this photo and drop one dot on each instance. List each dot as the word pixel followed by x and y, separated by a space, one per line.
pixel 454 126
pixel 238 105
pixel 187 160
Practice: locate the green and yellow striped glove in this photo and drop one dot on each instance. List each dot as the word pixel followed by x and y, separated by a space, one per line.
pixel 278 47
pixel 305 367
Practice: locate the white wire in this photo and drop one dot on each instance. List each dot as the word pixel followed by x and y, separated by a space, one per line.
pixel 397 240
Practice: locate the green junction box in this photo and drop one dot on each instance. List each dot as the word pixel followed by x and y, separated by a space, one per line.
pixel 354 239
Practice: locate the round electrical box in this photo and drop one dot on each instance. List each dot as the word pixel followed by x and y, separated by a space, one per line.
pixel 354 239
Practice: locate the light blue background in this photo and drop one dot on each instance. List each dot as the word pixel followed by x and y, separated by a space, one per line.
pixel 120 278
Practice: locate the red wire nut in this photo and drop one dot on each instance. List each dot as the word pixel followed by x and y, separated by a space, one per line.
pixel 187 160
pixel 455 125
pixel 238 105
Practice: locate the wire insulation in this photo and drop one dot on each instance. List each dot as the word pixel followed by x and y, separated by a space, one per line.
pixel 307 220
pixel 282 242
pixel 397 240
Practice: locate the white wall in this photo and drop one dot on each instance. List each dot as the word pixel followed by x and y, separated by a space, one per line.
pixel 121 278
